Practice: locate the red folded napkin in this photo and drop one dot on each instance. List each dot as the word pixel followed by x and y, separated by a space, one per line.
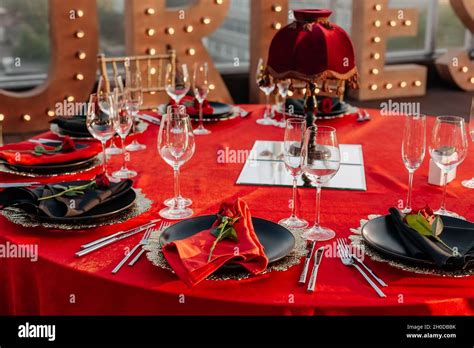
pixel 22 153
pixel 192 106
pixel 189 257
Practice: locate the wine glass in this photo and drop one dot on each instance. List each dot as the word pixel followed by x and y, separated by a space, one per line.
pixel 470 183
pixel 112 149
pixel 134 99
pixel 178 83
pixel 294 133
pixel 101 124
pixel 267 85
pixel 123 124
pixel 176 146
pixel 448 148
pixel 283 88
pixel 413 149
pixel 201 89
pixel 320 162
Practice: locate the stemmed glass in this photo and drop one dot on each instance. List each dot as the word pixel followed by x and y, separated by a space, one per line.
pixel 201 89
pixel 178 83
pixel 294 133
pixel 134 99
pixel 112 149
pixel 283 88
pixel 448 148
pixel 182 201
pixel 123 124
pixel 321 159
pixel 267 85
pixel 470 183
pixel 176 146
pixel 101 124
pixel 413 149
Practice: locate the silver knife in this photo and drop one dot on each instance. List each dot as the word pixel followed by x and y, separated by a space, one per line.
pixel 314 273
pixel 103 239
pixel 110 241
pixel 19 184
pixel 310 247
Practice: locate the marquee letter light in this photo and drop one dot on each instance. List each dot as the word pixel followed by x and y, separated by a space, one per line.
pixel 72 68
pixel 455 66
pixel 151 28
pixel 266 18
pixel 372 24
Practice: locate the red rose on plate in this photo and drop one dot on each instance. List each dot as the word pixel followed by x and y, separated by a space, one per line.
pixel 68 145
pixel 102 182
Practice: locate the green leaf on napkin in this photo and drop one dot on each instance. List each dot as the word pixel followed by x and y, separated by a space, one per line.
pixel 423 226
pixel 225 230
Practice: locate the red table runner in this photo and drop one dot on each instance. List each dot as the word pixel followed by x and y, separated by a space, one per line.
pixel 58 283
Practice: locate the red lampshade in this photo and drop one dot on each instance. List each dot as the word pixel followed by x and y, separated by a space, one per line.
pixel 312 49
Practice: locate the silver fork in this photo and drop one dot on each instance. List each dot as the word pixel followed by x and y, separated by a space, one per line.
pixel 144 239
pixel 346 247
pixel 348 261
pixel 163 227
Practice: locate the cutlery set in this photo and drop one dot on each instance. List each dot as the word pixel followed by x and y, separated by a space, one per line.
pixel 102 242
pixel 347 259
pixel 311 247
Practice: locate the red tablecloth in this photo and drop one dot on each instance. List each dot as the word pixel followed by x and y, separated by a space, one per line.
pixel 58 283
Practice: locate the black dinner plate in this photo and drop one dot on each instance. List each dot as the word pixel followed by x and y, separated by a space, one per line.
pixel 338 108
pixel 277 240
pixel 219 110
pixel 107 209
pixel 377 235
pixel 56 168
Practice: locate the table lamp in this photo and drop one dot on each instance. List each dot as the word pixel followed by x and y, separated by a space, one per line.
pixel 316 51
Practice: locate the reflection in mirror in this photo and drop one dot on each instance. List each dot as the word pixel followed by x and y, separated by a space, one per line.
pixel 24 43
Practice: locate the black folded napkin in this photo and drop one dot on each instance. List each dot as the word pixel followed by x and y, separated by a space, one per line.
pixel 417 246
pixel 76 124
pixel 63 206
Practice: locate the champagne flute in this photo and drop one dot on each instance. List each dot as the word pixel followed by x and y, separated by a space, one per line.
pixel 267 85
pixel 321 159
pixel 448 148
pixel 413 149
pixel 470 183
pixel 176 146
pixel 123 124
pixel 178 83
pixel 201 89
pixel 101 124
pixel 294 133
pixel 283 88
pixel 134 99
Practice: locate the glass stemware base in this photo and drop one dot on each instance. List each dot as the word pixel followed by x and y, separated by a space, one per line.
pixel 201 131
pixel 293 222
pixel 182 202
pixel 468 183
pixel 265 121
pixel 319 233
pixel 444 212
pixel 113 150
pixel 135 146
pixel 406 210
pixel 124 173
pixel 176 213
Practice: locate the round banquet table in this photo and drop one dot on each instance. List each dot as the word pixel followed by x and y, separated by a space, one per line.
pixel 60 284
